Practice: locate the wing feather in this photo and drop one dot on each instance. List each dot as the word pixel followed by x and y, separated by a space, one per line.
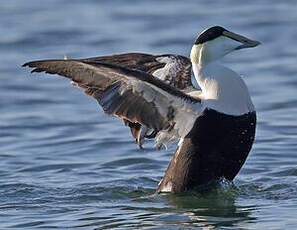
pixel 130 94
pixel 172 69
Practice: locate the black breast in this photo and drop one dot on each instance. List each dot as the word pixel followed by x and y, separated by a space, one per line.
pixel 217 146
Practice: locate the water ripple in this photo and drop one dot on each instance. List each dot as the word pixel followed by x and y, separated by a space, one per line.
pixel 64 164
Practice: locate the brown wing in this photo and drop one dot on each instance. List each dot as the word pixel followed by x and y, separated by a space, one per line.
pixel 139 61
pixel 129 94
pixel 174 70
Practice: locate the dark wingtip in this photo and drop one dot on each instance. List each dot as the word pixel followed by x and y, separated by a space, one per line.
pixel 29 64
pixel 25 64
pixel 34 65
pixel 37 70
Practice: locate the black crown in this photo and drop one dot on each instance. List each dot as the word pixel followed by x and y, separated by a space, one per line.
pixel 210 34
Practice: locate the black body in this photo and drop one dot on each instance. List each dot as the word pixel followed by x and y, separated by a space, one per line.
pixel 216 147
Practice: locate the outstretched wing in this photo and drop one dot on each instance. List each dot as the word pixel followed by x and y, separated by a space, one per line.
pixel 129 94
pixel 172 69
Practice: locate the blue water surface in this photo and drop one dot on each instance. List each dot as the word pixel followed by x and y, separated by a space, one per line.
pixel 64 164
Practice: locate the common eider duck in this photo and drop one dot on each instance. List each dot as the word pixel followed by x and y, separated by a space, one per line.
pixel 154 95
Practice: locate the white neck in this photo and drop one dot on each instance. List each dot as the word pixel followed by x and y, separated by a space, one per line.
pixel 222 89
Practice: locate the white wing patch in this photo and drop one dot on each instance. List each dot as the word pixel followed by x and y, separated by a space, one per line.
pixel 176 68
pixel 173 65
pixel 184 122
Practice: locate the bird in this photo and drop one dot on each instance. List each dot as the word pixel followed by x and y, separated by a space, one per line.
pixel 215 125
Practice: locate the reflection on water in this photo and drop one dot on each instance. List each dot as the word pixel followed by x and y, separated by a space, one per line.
pixel 192 209
pixel 213 209
pixel 64 164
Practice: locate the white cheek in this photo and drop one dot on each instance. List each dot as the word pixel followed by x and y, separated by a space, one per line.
pixel 229 44
pixel 221 46
pixel 213 50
